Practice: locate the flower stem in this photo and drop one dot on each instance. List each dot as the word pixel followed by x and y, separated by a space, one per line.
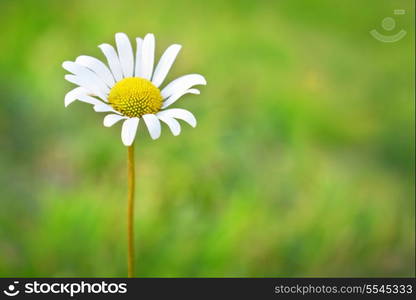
pixel 130 211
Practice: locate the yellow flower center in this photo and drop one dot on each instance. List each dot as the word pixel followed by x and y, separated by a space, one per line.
pixel 135 97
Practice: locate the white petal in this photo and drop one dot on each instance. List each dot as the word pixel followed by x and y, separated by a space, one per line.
pixel 137 70
pixel 153 125
pixel 89 100
pixel 182 84
pixel 179 113
pixel 85 83
pixel 148 56
pixel 125 54
pixel 102 107
pixel 110 120
pixel 98 67
pixel 90 79
pixel 174 125
pixel 113 61
pixel 175 97
pixel 81 71
pixel 128 131
pixel 165 63
pixel 73 95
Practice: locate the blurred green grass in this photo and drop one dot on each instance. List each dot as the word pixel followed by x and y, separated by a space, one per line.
pixel 302 163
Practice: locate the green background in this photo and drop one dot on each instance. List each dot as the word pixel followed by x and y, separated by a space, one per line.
pixel 302 163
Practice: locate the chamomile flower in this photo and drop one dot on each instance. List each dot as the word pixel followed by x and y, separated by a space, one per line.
pixel 129 87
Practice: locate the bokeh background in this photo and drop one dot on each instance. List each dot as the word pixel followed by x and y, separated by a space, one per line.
pixel 302 163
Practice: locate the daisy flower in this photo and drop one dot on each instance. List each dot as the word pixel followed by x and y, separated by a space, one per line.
pixel 129 87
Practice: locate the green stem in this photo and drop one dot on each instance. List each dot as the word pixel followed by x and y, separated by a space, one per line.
pixel 130 211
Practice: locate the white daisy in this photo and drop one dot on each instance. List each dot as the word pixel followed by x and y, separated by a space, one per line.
pixel 129 88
